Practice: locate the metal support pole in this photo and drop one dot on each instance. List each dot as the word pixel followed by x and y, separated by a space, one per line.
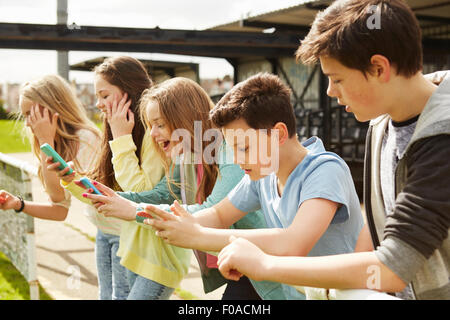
pixel 235 65
pixel 325 106
pixel 62 56
pixel 33 280
pixel 278 67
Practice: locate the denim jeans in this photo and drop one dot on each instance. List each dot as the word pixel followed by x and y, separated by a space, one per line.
pixel 112 276
pixel 145 289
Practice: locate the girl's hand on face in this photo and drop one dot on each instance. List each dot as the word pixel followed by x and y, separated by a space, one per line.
pixel 61 173
pixel 8 201
pixel 43 124
pixel 119 116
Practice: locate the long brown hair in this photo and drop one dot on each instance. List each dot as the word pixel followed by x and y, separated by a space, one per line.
pixel 55 94
pixel 130 76
pixel 181 102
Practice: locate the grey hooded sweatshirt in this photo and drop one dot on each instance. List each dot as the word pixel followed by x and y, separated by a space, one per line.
pixel 415 236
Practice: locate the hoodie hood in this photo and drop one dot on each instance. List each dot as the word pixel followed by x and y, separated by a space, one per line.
pixel 435 117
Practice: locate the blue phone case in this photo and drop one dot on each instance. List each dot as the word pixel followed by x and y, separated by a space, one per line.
pixel 49 151
pixel 85 181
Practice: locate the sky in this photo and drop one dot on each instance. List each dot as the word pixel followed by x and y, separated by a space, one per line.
pixel 22 65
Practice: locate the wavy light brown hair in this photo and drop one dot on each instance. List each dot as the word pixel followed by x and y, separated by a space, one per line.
pixel 55 94
pixel 181 102
pixel 130 76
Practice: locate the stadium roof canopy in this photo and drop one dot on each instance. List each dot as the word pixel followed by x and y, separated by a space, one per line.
pixel 236 39
pixel 433 16
pixel 154 67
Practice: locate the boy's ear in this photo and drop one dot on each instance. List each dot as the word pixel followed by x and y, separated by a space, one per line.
pixel 283 133
pixel 380 67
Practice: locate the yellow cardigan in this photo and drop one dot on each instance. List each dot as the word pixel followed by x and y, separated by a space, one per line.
pixel 140 250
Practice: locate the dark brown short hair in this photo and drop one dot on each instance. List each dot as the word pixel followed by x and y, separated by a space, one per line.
pixel 343 32
pixel 262 101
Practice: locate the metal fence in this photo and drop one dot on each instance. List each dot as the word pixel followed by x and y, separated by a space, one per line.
pixel 17 240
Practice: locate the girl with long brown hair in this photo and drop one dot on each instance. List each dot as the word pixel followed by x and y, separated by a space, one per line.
pixel 128 161
pixel 199 173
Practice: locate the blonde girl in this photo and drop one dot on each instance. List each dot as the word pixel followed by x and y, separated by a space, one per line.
pixel 55 116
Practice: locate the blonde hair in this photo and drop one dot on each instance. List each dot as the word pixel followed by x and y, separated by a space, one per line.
pixel 55 94
pixel 181 102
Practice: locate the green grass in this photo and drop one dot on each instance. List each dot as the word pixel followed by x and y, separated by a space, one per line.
pixel 99 125
pixel 13 286
pixel 12 137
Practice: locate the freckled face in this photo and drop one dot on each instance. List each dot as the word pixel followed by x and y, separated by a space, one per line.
pixel 359 95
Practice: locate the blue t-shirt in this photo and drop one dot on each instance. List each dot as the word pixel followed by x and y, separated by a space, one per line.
pixel 321 174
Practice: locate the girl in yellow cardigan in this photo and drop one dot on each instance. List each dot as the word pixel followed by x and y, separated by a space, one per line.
pixel 128 161
pixel 199 171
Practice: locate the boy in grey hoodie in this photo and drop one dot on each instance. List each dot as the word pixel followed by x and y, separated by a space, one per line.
pixel 371 51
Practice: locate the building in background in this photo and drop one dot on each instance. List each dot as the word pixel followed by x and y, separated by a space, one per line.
pixel 9 95
pixel 316 113
pixel 159 72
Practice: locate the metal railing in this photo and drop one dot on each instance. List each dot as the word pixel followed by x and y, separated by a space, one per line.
pixel 17 240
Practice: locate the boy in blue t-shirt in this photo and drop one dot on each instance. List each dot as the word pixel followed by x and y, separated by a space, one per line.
pixel 371 52
pixel 306 193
